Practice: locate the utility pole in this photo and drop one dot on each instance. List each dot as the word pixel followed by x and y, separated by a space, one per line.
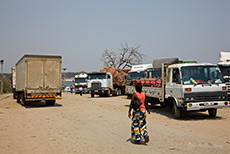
pixel 2 62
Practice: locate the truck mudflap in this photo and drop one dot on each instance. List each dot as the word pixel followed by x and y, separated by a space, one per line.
pixel 206 105
pixel 43 97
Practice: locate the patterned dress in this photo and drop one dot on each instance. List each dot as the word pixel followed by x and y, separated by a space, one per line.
pixel 138 126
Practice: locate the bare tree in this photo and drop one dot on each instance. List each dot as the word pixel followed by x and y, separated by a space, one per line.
pixel 126 57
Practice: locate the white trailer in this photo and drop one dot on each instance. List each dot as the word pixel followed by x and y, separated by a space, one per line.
pixel 38 78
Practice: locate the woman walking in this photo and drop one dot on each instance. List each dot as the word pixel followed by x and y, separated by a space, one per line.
pixel 138 126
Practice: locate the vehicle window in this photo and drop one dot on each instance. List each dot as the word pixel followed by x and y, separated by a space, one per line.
pixel 176 76
pixel 201 75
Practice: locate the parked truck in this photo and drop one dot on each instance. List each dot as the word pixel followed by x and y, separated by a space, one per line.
pixel 186 87
pixel 38 78
pixel 13 75
pixel 108 81
pixel 224 66
pixel 80 81
pixel 136 72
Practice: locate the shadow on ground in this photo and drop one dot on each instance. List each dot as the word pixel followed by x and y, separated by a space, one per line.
pixel 41 104
pixel 184 115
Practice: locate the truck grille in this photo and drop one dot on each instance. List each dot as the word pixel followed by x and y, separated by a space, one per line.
pixel 96 86
pixel 209 96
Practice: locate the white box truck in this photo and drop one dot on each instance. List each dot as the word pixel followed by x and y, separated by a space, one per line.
pixel 38 78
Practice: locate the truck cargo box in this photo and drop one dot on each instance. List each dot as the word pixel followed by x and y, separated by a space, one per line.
pixel 39 77
pixel 38 73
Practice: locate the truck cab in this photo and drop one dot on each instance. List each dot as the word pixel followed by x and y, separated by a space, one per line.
pixel 80 80
pixel 224 66
pixel 138 72
pixel 195 87
pixel 100 83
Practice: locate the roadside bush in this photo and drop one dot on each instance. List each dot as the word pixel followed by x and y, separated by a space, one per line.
pixel 6 86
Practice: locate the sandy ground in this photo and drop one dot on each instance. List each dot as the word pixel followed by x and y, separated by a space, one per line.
pixel 100 125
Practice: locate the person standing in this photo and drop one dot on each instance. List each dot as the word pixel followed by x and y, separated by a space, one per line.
pixel 138 126
pixel 71 89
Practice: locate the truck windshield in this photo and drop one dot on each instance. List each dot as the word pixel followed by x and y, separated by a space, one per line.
pixel 135 75
pixel 154 74
pixel 80 80
pixel 225 70
pixel 201 75
pixel 97 76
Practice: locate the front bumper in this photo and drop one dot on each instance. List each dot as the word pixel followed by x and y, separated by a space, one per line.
pixel 206 105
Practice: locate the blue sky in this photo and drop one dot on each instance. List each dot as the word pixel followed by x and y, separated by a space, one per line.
pixel 80 30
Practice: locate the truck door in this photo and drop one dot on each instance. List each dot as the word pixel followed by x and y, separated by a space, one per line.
pixel 52 74
pixel 110 81
pixel 174 87
pixel 34 74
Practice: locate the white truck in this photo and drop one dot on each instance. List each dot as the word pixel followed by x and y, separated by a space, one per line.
pixel 80 81
pixel 136 72
pixel 101 83
pixel 224 66
pixel 188 87
pixel 38 78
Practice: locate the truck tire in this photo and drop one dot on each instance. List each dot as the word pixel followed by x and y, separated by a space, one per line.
pixel 23 101
pixel 26 103
pixel 14 94
pixel 92 94
pixel 163 104
pixel 118 92
pixel 50 102
pixel 212 112
pixel 108 93
pixel 177 112
pixel 18 98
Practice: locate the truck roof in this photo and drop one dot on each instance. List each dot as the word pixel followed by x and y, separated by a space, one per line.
pixel 98 73
pixel 191 64
pixel 39 56
pixel 157 63
pixel 141 67
pixel 81 75
pixel 224 56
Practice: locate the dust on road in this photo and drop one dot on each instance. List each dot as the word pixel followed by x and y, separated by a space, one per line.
pixel 100 125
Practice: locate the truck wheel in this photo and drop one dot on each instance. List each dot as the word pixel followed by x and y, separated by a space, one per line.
pixel 26 103
pixel 212 112
pixel 14 94
pixel 108 93
pixel 129 96
pixel 177 112
pixel 118 92
pixel 163 104
pixel 18 98
pixel 22 99
pixel 92 94
pixel 50 102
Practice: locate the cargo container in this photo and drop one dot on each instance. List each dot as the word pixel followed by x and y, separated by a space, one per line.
pixel 38 78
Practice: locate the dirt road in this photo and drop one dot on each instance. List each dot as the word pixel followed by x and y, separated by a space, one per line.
pixel 100 125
